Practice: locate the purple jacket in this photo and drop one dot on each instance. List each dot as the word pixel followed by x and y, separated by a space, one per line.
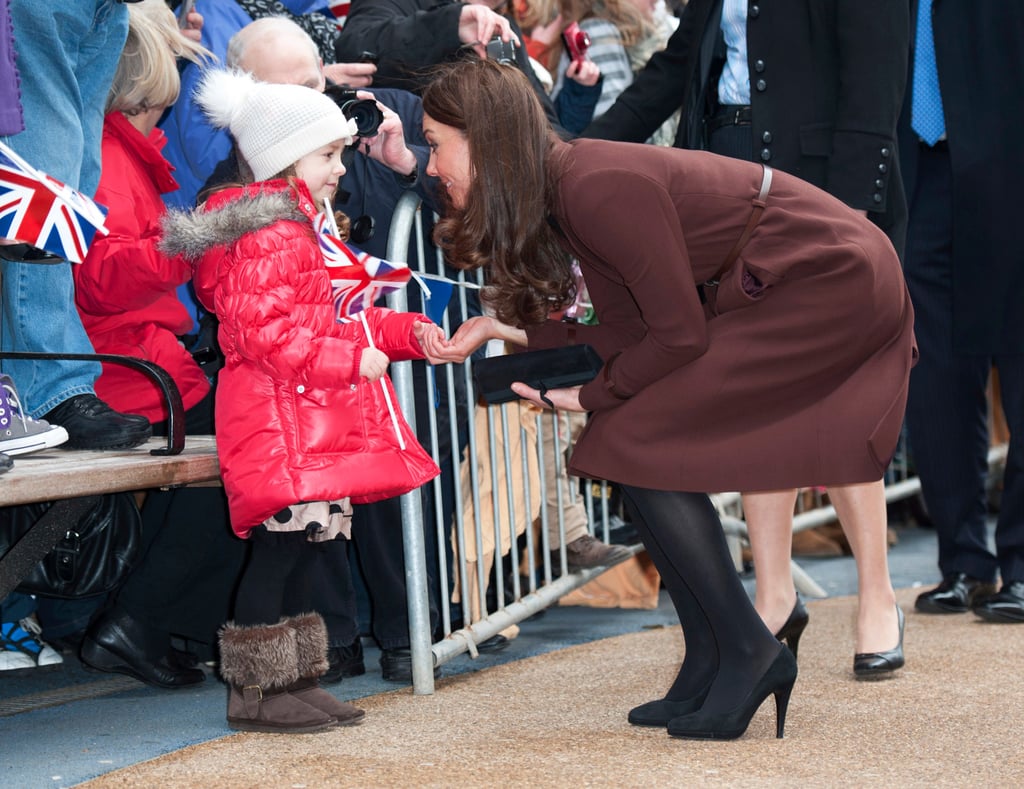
pixel 11 119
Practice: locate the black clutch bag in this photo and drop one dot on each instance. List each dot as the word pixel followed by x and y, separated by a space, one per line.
pixel 551 368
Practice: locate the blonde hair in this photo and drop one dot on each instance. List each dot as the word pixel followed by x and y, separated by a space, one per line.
pixel 622 13
pixel 147 73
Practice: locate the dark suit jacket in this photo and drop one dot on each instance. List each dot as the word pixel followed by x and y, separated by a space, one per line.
pixel 827 83
pixel 979 51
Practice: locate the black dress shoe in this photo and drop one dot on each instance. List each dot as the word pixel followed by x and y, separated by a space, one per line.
pixel 1005 606
pixel 118 644
pixel 874 665
pixel 92 424
pixel 26 253
pixel 344 662
pixel 396 665
pixel 955 595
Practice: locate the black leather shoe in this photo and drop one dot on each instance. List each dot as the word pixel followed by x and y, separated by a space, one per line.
pixel 26 253
pixel 495 643
pixel 955 595
pixel 92 424
pixel 873 665
pixel 396 665
pixel 344 662
pixel 1005 606
pixel 116 643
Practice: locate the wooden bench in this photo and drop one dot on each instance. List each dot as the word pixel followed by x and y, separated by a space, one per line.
pixel 73 479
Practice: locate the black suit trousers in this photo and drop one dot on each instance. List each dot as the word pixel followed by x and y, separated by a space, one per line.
pixel 947 410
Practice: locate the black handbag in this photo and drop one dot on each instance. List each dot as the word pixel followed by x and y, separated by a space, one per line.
pixel 92 558
pixel 551 368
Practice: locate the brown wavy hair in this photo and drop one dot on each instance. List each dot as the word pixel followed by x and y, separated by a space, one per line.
pixel 503 227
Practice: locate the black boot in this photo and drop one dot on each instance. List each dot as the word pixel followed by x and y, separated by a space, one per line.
pixel 119 644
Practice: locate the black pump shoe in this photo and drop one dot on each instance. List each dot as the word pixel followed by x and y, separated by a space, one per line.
pixel 661 711
pixel 118 644
pixel 777 681
pixel 872 665
pixel 794 627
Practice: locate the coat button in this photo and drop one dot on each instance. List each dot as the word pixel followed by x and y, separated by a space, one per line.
pixel 877 198
pixel 885 153
pixel 883 168
pixel 300 389
pixel 766 154
pixel 879 183
pixel 762 86
pixel 758 65
pixel 766 137
pixel 755 11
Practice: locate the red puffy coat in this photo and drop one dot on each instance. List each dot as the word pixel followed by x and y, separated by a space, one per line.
pixel 295 421
pixel 125 288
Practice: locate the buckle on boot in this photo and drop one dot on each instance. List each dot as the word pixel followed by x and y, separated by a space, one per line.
pixel 252 697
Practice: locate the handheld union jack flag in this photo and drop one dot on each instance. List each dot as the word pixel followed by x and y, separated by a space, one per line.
pixel 340 10
pixel 358 278
pixel 39 210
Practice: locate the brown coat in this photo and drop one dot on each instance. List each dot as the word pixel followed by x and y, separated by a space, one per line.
pixel 802 383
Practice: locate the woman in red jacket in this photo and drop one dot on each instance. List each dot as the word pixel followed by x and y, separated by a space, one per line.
pixel 125 291
pixel 303 422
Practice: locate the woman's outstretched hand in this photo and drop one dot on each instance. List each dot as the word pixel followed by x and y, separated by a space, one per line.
pixel 561 399
pixel 475 332
pixel 432 341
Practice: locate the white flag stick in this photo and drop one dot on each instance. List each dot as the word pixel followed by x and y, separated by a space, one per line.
pixel 383 385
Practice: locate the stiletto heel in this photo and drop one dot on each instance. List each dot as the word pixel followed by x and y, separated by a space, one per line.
pixel 781 705
pixel 777 681
pixel 872 665
pixel 794 627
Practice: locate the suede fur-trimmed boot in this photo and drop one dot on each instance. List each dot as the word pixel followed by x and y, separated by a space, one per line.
pixel 311 648
pixel 259 663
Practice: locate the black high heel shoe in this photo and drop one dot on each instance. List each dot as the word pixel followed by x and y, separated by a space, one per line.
pixel 777 681
pixel 871 665
pixel 661 711
pixel 794 627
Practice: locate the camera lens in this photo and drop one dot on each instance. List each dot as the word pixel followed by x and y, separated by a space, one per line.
pixel 366 114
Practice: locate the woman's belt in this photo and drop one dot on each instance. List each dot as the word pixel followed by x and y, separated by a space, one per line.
pixel 755 217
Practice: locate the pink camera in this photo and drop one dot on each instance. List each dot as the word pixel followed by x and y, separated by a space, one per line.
pixel 576 42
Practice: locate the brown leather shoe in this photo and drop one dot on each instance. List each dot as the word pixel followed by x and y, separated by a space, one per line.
pixel 588 551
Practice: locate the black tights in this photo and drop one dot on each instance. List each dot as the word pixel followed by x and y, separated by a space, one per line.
pixel 277 580
pixel 727 645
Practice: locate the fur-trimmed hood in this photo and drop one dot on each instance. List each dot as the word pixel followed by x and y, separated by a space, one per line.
pixel 230 214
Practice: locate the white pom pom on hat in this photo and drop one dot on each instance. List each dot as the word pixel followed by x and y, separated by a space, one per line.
pixel 273 125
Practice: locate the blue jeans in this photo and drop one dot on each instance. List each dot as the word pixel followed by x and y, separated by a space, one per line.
pixel 67 53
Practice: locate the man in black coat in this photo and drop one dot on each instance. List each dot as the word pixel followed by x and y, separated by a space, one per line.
pixel 812 87
pixel 965 271
pixel 826 86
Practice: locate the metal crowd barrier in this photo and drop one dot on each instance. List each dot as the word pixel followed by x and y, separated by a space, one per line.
pixel 497 497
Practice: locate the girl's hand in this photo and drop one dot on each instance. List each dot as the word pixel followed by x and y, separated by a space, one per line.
pixel 585 72
pixel 432 341
pixel 373 364
pixel 561 399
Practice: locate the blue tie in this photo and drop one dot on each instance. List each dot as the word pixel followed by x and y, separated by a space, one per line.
pixel 926 113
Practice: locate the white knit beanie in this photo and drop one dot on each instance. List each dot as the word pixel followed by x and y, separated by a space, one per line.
pixel 273 125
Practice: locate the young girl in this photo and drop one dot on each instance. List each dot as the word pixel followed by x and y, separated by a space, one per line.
pixel 303 426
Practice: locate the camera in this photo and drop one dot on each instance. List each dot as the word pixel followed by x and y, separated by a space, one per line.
pixel 364 112
pixel 577 42
pixel 503 52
